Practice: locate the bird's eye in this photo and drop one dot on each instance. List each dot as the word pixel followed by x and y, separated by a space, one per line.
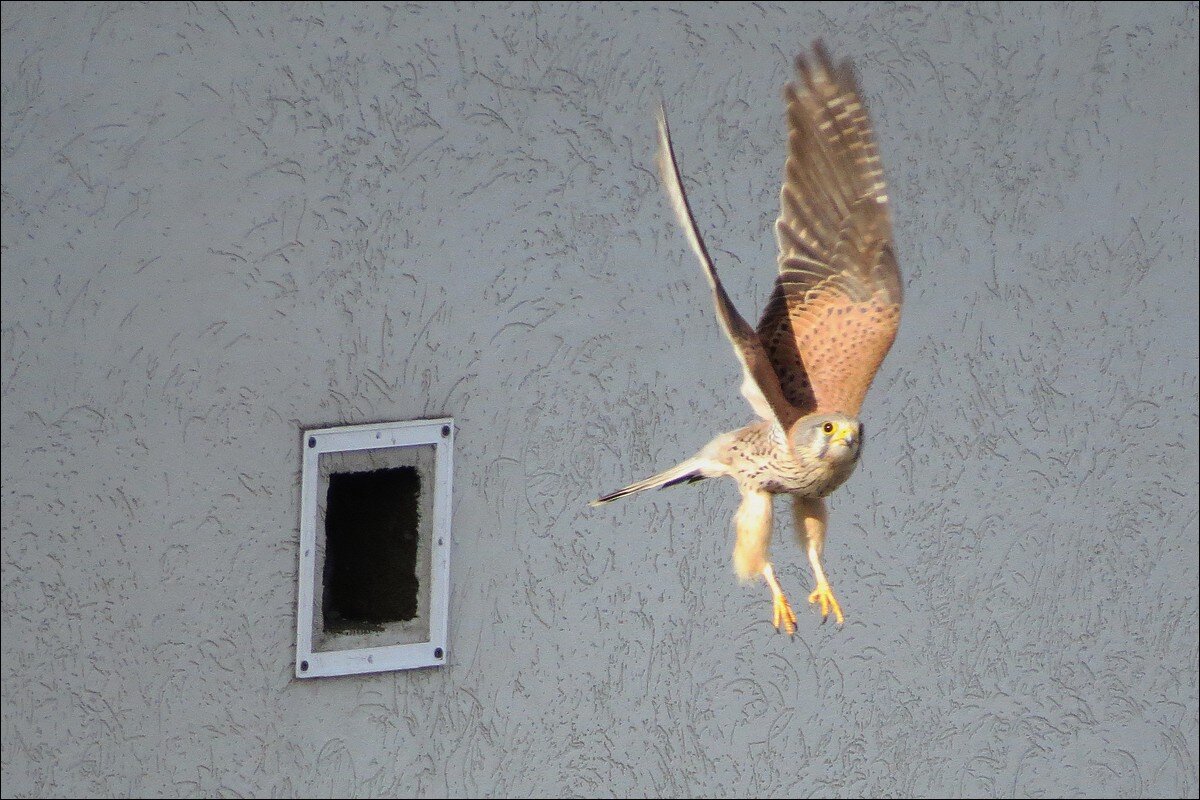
pixel 828 427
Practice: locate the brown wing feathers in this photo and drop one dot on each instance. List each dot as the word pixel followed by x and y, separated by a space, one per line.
pixel 836 305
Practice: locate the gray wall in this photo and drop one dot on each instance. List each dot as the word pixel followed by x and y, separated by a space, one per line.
pixel 225 223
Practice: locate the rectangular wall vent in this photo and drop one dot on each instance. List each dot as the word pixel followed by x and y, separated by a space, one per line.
pixel 374 548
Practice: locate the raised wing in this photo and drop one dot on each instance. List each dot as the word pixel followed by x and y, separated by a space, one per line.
pixel 760 385
pixel 836 306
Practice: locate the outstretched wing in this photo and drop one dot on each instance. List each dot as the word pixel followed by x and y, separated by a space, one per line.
pixel 760 384
pixel 835 309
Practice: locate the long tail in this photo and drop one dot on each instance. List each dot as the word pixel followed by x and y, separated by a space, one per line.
pixel 694 469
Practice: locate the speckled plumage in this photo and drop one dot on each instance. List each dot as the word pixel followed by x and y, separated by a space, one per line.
pixel 759 459
pixel 827 327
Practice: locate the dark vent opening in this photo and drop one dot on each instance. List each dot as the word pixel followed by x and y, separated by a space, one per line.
pixel 371 541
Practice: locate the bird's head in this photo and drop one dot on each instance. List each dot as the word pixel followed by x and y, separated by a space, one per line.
pixel 829 437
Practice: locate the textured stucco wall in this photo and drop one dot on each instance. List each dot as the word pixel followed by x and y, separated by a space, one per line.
pixel 223 223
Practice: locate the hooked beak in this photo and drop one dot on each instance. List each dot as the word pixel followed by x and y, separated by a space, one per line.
pixel 845 434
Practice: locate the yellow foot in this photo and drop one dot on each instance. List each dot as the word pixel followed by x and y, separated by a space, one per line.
pixel 824 595
pixel 784 616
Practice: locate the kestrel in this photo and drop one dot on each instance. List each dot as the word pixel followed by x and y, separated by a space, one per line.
pixel 829 323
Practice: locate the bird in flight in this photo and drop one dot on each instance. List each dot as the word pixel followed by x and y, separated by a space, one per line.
pixel 829 323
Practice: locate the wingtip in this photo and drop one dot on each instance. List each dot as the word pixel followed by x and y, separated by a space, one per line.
pixel 821 51
pixel 664 131
pixel 817 64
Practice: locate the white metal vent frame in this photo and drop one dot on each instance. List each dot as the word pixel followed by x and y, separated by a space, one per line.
pixel 386 435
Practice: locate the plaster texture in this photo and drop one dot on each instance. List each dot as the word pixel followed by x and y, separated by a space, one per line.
pixel 224 223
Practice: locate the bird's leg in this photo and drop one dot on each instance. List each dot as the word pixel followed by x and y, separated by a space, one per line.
pixel 753 523
pixel 783 615
pixel 811 521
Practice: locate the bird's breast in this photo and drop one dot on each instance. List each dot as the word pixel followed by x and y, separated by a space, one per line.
pixel 779 472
